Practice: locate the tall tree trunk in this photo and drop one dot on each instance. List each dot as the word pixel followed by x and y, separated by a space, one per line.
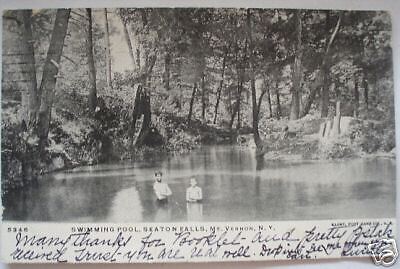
pixel 314 87
pixel 278 101
pixel 325 94
pixel 203 98
pixel 141 112
pixel 167 65
pixel 50 73
pixel 30 94
pixel 221 84
pixel 356 98
pixel 321 76
pixel 255 107
pixel 238 102
pixel 191 103
pixel 324 102
pixel 92 99
pixel 260 101
pixel 233 115
pixel 365 85
pixel 269 102
pixel 325 67
pixel 108 53
pixel 128 42
pixel 297 71
pixel 230 107
pixel 142 108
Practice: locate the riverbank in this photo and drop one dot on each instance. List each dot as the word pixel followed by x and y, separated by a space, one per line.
pixel 301 139
pixel 77 138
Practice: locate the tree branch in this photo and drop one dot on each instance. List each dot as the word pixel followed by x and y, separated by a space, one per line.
pixel 332 37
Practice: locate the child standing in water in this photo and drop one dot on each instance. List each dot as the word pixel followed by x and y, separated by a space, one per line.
pixel 161 189
pixel 193 193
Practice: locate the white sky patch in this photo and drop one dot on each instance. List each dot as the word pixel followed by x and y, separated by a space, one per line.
pixel 120 59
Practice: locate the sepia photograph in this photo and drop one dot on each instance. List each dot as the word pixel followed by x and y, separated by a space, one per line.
pixel 157 115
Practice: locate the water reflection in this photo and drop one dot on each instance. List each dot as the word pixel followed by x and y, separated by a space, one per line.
pixel 163 212
pixel 127 206
pixel 194 212
pixel 236 187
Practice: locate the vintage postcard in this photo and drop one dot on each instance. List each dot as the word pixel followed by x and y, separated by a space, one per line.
pixel 197 134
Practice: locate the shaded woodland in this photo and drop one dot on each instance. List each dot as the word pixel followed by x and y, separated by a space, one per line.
pixel 265 78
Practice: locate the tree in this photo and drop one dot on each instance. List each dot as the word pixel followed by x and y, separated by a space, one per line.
pixel 203 97
pixel 255 106
pixel 92 99
pixel 140 78
pixel 189 118
pixel 50 74
pixel 108 54
pixel 30 95
pixel 323 72
pixel 297 70
pixel 167 69
pixel 221 84
pixel 268 91
pixel 324 68
pixel 278 101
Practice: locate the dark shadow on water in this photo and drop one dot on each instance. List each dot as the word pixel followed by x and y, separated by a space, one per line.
pixel 366 190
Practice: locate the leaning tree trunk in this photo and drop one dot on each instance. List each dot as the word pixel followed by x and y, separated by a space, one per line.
pixel 297 71
pixel 50 74
pixel 92 99
pixel 321 76
pixel 128 42
pixel 108 56
pixel 325 67
pixel 203 98
pixel 189 118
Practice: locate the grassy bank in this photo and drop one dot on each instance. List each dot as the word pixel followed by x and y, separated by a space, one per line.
pixel 78 138
pixel 302 140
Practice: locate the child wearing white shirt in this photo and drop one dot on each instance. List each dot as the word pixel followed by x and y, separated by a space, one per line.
pixel 161 189
pixel 193 193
